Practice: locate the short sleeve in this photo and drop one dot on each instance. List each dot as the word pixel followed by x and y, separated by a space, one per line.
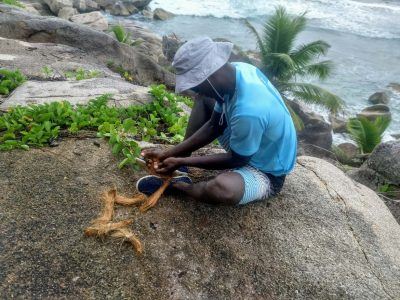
pixel 218 107
pixel 246 135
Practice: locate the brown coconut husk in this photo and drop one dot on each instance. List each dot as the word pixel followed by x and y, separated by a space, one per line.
pixel 102 229
pixel 135 200
pixel 128 236
pixel 153 199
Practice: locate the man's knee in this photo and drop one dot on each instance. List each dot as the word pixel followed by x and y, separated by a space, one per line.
pixel 218 191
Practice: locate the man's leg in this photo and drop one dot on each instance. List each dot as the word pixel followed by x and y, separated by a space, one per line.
pixel 226 189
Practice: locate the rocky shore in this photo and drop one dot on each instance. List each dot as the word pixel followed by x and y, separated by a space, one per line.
pixel 327 235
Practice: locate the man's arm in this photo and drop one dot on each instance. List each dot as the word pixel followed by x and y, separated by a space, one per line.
pixel 202 137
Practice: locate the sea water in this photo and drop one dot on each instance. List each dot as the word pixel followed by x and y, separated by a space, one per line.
pixel 364 38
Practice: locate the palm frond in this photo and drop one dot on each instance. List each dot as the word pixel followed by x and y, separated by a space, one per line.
pixel 253 30
pixel 313 94
pixel 306 53
pixel 367 134
pixel 320 70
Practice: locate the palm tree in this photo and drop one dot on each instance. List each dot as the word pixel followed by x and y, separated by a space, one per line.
pixel 284 64
pixel 367 134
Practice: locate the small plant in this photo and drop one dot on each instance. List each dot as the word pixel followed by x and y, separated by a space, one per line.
pixel 38 125
pixel 81 74
pixel 127 75
pixel 123 36
pixel 48 72
pixel 10 80
pixel 13 2
pixel 389 190
pixel 367 134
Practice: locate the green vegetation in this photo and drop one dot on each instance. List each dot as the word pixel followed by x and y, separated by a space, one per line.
pixel 127 75
pixel 48 72
pixel 123 36
pixel 38 125
pixel 81 74
pixel 367 134
pixel 389 190
pixel 10 80
pixel 284 64
pixel 12 2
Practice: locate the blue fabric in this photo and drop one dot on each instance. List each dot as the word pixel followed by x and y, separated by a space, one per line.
pixel 260 124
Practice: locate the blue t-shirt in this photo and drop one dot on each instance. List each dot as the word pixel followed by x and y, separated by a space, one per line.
pixel 260 123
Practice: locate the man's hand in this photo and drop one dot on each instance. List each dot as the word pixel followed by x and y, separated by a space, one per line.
pixel 153 157
pixel 168 165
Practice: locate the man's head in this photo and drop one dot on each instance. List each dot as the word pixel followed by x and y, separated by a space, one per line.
pixel 201 65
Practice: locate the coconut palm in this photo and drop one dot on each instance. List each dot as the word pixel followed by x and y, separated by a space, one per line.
pixel 366 133
pixel 284 63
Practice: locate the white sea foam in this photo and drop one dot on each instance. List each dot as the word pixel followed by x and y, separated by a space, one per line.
pixel 372 19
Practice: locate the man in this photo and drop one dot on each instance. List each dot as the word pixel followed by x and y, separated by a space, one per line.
pixel 249 119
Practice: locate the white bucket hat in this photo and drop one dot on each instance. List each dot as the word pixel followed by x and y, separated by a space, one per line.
pixel 197 59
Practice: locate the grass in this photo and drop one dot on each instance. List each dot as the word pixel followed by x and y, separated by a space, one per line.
pixel 123 36
pixel 23 127
pixel 13 3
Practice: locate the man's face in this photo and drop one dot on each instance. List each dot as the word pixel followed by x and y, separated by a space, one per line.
pixel 205 89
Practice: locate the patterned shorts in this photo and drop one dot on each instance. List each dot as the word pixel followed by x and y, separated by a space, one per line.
pixel 257 184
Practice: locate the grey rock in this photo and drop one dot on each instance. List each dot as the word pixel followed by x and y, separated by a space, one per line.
pixel 379 98
pixel 19 25
pixel 162 14
pixel 141 4
pixel 147 13
pixel 67 12
pixel 77 92
pixel 374 111
pixel 396 136
pixel 349 149
pixel 119 9
pixel 339 125
pixel 31 58
pixel 95 20
pixel 85 5
pixel 394 86
pixel 56 5
pixel 384 161
pixel 324 237
pixel 317 134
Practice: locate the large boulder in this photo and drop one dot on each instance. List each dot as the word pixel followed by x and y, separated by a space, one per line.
pixel 56 5
pixel 162 15
pixel 58 59
pixel 339 124
pixel 379 98
pixel 19 25
pixel 324 237
pixel 85 5
pixel 67 12
pixel 382 166
pixel 95 20
pixel 77 92
pixel 375 111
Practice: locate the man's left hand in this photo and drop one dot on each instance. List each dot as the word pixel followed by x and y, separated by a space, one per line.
pixel 169 165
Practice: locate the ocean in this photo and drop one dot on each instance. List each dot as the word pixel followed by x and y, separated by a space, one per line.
pixel 364 38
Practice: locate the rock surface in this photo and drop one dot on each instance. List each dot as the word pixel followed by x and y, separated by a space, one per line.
pixel 382 166
pixel 67 12
pixel 162 15
pixel 375 111
pixel 77 92
pixel 324 237
pixel 56 5
pixel 31 58
pixel 339 125
pixel 19 25
pixel 379 98
pixel 94 20
pixel 349 149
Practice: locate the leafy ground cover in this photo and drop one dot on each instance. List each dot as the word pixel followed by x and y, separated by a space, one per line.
pixel 23 127
pixel 10 80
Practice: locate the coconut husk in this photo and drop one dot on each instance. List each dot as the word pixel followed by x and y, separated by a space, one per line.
pixel 153 199
pixel 128 236
pixel 102 229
